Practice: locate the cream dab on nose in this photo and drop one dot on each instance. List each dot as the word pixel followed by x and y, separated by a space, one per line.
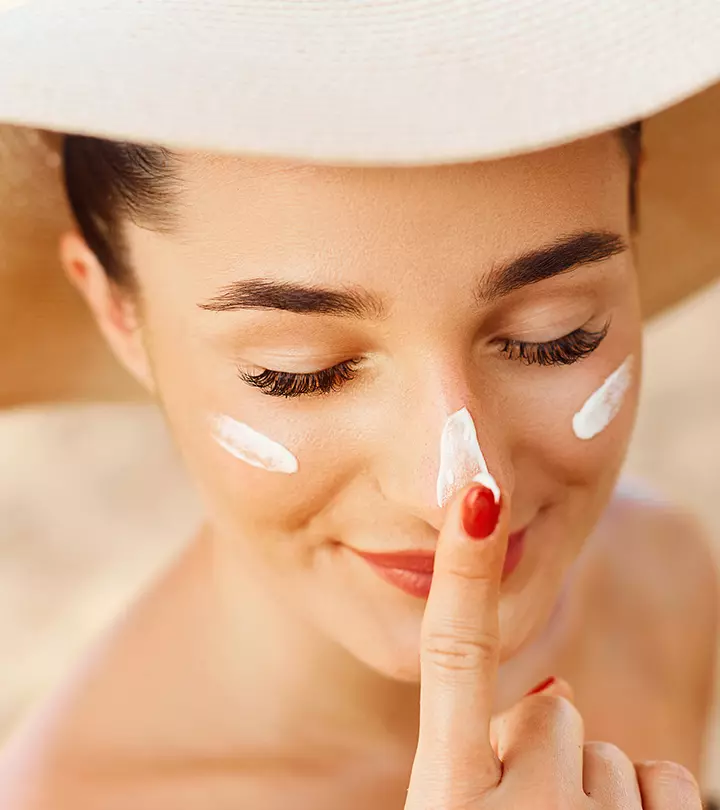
pixel 461 459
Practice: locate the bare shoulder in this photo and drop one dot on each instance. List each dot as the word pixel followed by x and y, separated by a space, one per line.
pixel 656 568
pixel 642 617
pixel 137 698
pixel 181 785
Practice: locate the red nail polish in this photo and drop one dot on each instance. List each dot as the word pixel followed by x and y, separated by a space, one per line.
pixel 541 687
pixel 480 513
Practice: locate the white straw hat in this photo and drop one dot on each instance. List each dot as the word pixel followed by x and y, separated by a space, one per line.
pixel 374 82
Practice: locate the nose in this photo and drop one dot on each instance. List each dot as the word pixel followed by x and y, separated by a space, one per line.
pixel 461 459
pixel 437 453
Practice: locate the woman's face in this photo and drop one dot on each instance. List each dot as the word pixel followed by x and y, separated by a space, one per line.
pixel 382 302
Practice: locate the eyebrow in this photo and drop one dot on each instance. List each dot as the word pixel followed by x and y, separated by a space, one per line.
pixel 564 255
pixel 260 293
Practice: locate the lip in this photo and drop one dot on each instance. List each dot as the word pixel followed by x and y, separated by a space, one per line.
pixel 412 571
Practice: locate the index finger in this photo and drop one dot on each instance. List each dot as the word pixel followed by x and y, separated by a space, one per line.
pixel 460 649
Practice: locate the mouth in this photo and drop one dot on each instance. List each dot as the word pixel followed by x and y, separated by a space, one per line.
pixel 412 571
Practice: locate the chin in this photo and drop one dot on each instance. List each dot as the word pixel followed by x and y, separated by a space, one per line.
pixel 523 617
pixel 403 664
pixel 403 671
pixel 396 657
pixel 380 627
pixel 526 614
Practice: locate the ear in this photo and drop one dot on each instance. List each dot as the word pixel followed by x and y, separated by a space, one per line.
pixel 115 309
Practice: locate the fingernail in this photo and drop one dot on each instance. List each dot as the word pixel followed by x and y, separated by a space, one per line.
pixel 480 512
pixel 541 687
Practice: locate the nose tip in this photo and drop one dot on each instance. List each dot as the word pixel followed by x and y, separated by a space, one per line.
pixel 461 459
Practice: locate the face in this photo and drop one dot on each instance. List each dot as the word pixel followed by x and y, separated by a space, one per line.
pixel 324 324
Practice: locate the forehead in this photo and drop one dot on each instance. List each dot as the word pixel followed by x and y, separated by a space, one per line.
pixel 541 190
pixel 383 227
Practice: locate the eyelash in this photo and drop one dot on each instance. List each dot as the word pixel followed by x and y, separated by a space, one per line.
pixel 561 352
pixel 284 384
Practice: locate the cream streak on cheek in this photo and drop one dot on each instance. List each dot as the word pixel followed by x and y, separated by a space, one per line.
pixel 246 444
pixel 604 405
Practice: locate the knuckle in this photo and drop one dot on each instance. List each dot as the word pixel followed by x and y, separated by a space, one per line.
pixel 557 706
pixel 606 752
pixel 666 773
pixel 551 711
pixel 454 780
pixel 550 718
pixel 546 718
pixel 459 648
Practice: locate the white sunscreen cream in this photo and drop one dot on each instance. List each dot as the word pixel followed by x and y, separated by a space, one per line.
pixel 252 447
pixel 461 460
pixel 603 406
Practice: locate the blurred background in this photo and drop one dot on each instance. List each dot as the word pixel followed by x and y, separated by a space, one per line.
pixel 91 507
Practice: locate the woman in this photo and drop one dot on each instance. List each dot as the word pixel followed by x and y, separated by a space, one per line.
pixel 356 360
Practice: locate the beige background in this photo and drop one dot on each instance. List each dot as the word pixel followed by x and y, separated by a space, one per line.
pixel 90 506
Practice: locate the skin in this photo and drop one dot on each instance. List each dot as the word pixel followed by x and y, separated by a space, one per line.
pixel 369 453
pixel 325 673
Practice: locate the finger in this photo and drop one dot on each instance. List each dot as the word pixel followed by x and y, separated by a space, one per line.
pixel 609 777
pixel 667 786
pixel 542 737
pixel 460 647
pixel 556 687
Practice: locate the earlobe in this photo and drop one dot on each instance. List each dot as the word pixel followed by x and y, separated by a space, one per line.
pixel 114 309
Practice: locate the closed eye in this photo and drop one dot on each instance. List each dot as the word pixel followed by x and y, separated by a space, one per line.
pixel 561 352
pixel 289 385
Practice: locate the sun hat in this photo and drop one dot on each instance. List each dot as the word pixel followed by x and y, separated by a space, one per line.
pixel 372 82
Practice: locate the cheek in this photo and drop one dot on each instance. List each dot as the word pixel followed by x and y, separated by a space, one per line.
pixel 256 460
pixel 327 438
pixel 554 413
pixel 563 483
pixel 261 469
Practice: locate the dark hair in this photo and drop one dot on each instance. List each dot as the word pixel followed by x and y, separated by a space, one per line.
pixel 110 183
pixel 631 137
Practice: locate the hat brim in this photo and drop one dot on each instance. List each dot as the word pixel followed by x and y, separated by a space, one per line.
pixel 418 83
pixel 678 237
pixel 411 82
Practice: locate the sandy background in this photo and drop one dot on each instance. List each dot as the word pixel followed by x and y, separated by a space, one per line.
pixel 90 506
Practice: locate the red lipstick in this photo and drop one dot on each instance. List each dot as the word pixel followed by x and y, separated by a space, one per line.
pixel 411 571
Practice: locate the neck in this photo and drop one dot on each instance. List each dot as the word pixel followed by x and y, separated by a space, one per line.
pixel 306 689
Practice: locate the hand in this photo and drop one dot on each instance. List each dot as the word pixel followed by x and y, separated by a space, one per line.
pixel 538 758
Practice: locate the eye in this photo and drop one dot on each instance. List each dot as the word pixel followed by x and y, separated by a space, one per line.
pixel 285 384
pixel 561 352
